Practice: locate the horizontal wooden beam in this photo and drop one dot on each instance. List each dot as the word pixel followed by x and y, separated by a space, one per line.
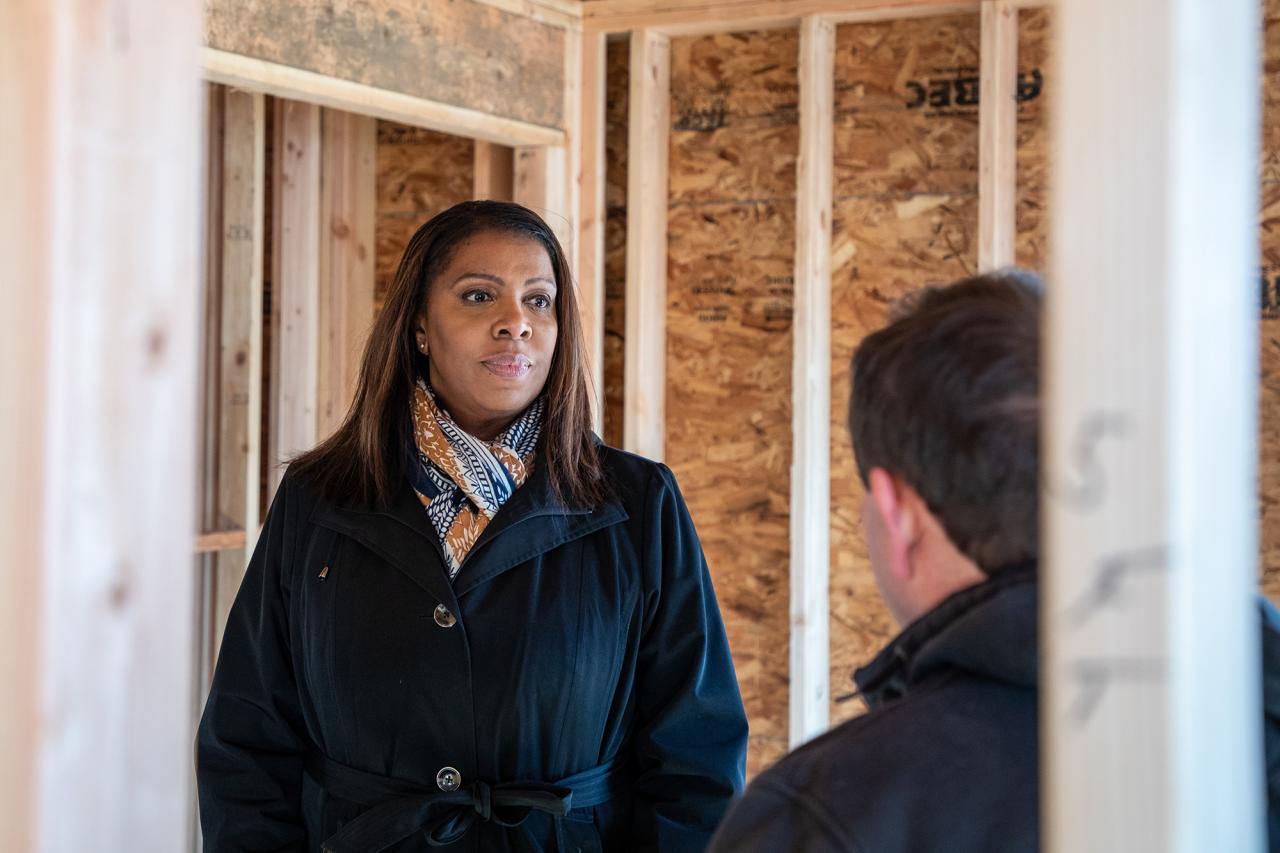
pixel 459 52
pixel 282 81
pixel 220 540
pixel 673 17
pixel 560 13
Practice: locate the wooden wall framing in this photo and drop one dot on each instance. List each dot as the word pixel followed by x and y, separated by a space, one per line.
pixel 998 135
pixel 644 416
pixel 295 284
pixel 492 171
pixel 1150 435
pixel 560 172
pixel 101 220
pixel 591 231
pixel 811 388
pixel 646 296
pixel 457 60
pixel 232 407
pixel 348 201
pixel 674 17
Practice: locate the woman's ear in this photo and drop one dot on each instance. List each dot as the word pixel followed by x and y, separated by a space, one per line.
pixel 897 513
pixel 420 333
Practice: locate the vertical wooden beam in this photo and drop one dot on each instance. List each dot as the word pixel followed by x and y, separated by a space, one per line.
pixel 100 215
pixel 28 171
pixel 295 304
pixel 540 184
pixel 205 565
pixel 348 201
pixel 591 213
pixel 998 135
pixel 811 387
pixel 1150 432
pixel 571 187
pixel 211 313
pixel 492 171
pixel 644 421
pixel 239 383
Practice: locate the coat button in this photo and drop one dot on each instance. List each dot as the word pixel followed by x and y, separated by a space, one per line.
pixel 444 618
pixel 448 779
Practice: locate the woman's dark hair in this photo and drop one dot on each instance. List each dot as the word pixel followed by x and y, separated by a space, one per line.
pixel 947 397
pixel 367 458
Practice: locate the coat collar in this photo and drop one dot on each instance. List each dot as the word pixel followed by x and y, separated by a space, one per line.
pixel 988 630
pixel 531 523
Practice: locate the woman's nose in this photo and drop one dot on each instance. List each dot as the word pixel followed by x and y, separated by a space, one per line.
pixel 513 324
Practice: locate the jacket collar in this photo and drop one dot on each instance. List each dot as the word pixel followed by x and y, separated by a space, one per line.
pixel 531 523
pixel 988 630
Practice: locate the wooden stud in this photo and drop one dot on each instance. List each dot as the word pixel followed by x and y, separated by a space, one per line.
pixel 100 211
pixel 540 183
pixel 493 171
pixel 591 163
pixel 28 169
pixel 644 420
pixel 998 136
pixel 211 341
pixel 570 189
pixel 811 387
pixel 1150 433
pixel 242 245
pixel 295 280
pixel 283 81
pixel 348 201
pixel 239 385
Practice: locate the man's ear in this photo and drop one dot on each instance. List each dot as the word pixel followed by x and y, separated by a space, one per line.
pixel 896 511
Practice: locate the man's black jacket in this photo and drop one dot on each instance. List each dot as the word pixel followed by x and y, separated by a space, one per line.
pixel 946 759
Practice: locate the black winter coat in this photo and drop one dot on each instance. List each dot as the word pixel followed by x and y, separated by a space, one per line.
pixel 946 758
pixel 571 689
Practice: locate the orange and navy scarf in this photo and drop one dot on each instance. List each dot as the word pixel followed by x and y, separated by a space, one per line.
pixel 463 481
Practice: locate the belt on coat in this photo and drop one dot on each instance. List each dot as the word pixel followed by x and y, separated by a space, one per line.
pixel 400 809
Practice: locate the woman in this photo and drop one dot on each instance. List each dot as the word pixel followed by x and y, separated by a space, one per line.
pixel 467 624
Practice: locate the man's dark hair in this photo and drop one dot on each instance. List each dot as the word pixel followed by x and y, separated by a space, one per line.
pixel 947 397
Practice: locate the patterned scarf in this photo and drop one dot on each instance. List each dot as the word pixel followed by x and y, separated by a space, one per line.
pixel 463 481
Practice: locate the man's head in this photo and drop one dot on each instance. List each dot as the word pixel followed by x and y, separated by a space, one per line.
pixel 945 419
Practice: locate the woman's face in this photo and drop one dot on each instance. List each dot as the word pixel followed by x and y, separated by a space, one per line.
pixel 490 330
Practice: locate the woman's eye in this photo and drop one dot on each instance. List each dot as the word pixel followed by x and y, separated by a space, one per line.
pixel 540 301
pixel 475 296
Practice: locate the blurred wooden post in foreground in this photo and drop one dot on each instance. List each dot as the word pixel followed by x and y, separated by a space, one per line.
pixel 99 217
pixel 1152 711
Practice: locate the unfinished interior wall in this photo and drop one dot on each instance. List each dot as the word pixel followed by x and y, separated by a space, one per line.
pixel 456 52
pixel 905 213
pixel 1269 306
pixel 617 83
pixel 731 227
pixel 420 174
pixel 1034 104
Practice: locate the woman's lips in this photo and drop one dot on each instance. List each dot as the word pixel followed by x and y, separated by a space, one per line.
pixel 508 366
